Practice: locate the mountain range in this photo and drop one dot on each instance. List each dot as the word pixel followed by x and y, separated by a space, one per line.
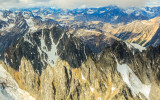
pixel 106 53
pixel 110 14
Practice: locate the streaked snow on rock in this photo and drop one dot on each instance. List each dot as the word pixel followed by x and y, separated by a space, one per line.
pixel 26 38
pixel 11 90
pixel 133 81
pixel 7 28
pixel 2 18
pixel 52 54
pixel 136 46
pixel 31 25
pixel 4 95
pixel 129 11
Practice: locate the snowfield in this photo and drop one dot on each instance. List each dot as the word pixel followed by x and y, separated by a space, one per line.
pixel 133 81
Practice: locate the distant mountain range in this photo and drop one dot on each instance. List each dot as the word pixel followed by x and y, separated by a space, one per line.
pixel 14 23
pixel 110 14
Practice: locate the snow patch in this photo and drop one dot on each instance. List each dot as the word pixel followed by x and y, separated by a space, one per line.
pixel 136 46
pixel 90 11
pixel 113 88
pixel 129 11
pixel 133 81
pixel 105 86
pixel 11 90
pixel 2 18
pixel 20 24
pixel 114 18
pixel 7 28
pixel 60 38
pixel 12 16
pixel 52 54
pixel 92 89
pixel 102 12
pixel 30 23
pixel 99 98
pixel 82 77
pixel 4 95
pixel 85 52
pixel 138 13
pixel 26 38
pixel 43 19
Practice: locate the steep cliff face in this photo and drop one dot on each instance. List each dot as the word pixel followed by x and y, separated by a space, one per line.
pixel 52 65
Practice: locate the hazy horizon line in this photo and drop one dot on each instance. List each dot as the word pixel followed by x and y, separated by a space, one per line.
pixel 53 7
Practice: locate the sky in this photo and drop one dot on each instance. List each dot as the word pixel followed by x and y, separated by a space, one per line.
pixel 71 4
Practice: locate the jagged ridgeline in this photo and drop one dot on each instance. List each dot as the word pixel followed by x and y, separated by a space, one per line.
pixel 44 47
pixel 51 64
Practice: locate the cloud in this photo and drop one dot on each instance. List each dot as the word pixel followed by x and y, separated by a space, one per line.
pixel 71 4
pixel 24 3
pixel 98 3
pixel 153 3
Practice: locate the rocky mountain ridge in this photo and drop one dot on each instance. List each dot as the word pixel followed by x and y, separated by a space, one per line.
pixel 121 71
pixel 79 60
pixel 14 25
pixel 17 22
pixel 145 33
